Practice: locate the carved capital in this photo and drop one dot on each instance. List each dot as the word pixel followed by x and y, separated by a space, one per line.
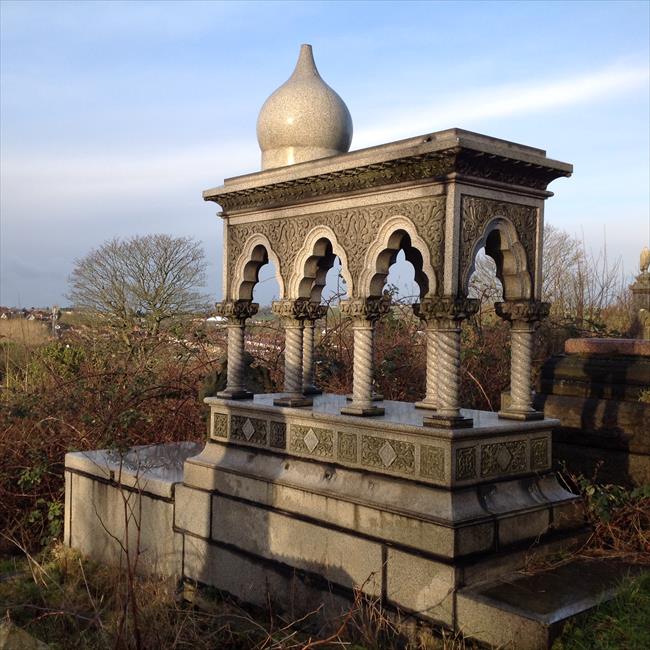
pixel 315 311
pixel 440 309
pixel 237 310
pixel 522 311
pixel 366 309
pixel 291 310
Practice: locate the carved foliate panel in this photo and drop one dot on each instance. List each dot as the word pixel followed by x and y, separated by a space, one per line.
pixel 347 447
pixel 503 458
pixel 465 463
pixel 355 228
pixel 390 454
pixel 248 429
pixel 278 435
pixel 312 440
pixel 432 462
pixel 219 425
pixel 539 454
pixel 476 212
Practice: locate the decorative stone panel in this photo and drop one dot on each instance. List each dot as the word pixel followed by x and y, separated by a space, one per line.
pixel 355 229
pixel 312 440
pixel 539 454
pixel 219 425
pixel 503 458
pixel 387 453
pixel 247 429
pixel 465 463
pixel 277 435
pixel 432 462
pixel 347 447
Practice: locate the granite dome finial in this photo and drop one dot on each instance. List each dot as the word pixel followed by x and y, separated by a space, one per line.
pixel 304 119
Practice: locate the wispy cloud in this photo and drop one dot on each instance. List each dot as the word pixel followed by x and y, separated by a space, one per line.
pixel 503 101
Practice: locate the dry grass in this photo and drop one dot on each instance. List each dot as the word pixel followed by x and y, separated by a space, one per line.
pixel 26 332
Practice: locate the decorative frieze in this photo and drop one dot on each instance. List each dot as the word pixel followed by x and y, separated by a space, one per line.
pixel 347 447
pixel 503 458
pixel 355 228
pixel 465 463
pixel 312 441
pixel 387 453
pixel 539 454
pixel 432 462
pixel 219 425
pixel 246 429
pixel 277 435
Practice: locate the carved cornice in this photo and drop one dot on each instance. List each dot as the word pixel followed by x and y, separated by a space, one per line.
pixel 237 310
pixel 291 310
pixel 522 311
pixel 366 309
pixel 445 308
pixel 436 165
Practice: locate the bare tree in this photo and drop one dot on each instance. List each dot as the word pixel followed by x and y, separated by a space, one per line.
pixel 140 282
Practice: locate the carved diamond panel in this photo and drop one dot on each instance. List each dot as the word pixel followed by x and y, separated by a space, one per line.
pixel 382 453
pixel 503 458
pixel 432 462
pixel 310 440
pixel 248 429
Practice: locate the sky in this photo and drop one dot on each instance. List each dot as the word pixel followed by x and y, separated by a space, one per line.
pixel 114 116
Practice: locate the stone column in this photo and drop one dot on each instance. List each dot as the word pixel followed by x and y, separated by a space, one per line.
pixel 236 311
pixel 314 312
pixel 523 316
pixel 365 312
pixel 444 316
pixel 292 314
pixel 423 311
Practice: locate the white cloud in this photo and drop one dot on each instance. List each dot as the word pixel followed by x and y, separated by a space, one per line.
pixel 503 101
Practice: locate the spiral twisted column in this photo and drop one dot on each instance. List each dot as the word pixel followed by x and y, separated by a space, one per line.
pixel 524 315
pixel 365 312
pixel 443 315
pixel 314 311
pixel 292 314
pixel 236 311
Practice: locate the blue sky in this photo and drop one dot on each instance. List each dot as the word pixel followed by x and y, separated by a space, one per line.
pixel 115 116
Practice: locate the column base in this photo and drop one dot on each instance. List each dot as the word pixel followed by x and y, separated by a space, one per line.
pixel 240 393
pixel 293 399
pixel 311 390
pixel 376 397
pixel 424 404
pixel 523 416
pixel 363 409
pixel 447 421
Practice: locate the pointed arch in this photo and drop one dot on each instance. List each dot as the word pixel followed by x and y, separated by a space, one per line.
pixel 256 253
pixel 397 233
pixel 314 259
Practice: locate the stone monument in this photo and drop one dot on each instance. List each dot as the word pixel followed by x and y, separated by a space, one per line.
pixel 641 297
pixel 300 498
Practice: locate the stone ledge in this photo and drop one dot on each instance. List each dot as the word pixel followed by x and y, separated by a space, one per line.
pixel 611 347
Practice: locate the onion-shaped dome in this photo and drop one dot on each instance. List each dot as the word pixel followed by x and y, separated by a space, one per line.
pixel 303 119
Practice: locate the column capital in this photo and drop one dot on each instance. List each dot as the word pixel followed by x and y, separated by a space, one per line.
pixel 522 311
pixel 236 310
pixel 442 309
pixel 291 310
pixel 315 311
pixel 366 309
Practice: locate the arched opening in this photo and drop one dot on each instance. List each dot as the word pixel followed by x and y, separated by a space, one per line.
pixel 484 284
pixel 409 268
pixel 315 270
pixel 500 243
pixel 258 279
pixel 336 288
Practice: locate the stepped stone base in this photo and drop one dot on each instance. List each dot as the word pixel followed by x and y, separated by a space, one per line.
pixel 304 507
